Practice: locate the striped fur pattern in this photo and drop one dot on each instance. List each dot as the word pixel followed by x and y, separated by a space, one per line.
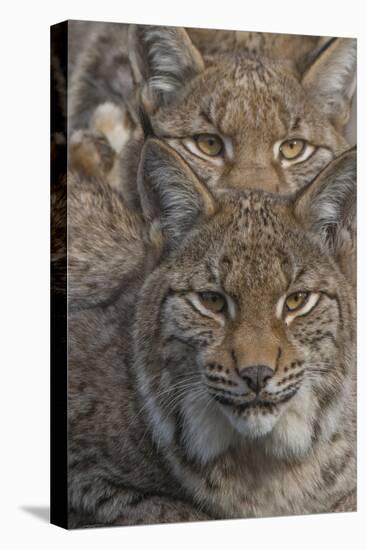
pixel 163 424
pixel 252 90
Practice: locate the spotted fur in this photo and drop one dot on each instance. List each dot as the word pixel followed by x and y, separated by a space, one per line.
pixel 162 424
pixel 254 90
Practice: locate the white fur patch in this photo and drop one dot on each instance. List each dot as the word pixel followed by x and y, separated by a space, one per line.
pixel 285 163
pixel 254 425
pixel 308 306
pixel 279 307
pixel 292 433
pixel 170 61
pixel 330 204
pixel 108 120
pixel 206 430
pixel 229 149
pixel 230 306
pixel 337 80
pixel 162 427
pixel 196 302
pixel 190 144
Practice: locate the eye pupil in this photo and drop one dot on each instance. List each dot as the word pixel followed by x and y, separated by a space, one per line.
pixel 209 144
pixel 213 301
pixel 296 300
pixel 292 148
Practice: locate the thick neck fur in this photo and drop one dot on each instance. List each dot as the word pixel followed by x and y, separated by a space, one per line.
pixel 195 434
pixel 137 401
pixel 202 442
pixel 205 433
pixel 304 454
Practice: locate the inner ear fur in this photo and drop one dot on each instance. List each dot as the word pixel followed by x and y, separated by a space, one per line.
pixel 162 60
pixel 327 206
pixel 331 78
pixel 171 195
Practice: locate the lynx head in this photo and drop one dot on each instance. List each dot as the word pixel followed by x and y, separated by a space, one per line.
pixel 244 325
pixel 239 120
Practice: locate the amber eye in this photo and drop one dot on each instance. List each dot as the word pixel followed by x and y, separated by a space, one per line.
pixel 213 301
pixel 296 300
pixel 209 144
pixel 292 148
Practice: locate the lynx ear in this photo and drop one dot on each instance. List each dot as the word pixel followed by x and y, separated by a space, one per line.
pixel 170 193
pixel 163 59
pixel 331 79
pixel 327 206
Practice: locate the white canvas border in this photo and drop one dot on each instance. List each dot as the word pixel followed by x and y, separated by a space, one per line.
pixel 25 281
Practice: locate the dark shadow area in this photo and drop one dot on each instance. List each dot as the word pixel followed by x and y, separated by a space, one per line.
pixel 40 512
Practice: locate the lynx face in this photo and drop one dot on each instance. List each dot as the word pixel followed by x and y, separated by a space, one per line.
pixel 240 121
pixel 258 125
pixel 234 311
pixel 246 329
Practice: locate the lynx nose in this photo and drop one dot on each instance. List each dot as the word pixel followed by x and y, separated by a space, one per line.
pixel 256 377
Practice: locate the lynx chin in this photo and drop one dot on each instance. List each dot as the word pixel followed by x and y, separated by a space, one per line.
pixel 212 370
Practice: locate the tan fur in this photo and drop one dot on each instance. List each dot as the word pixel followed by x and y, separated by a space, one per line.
pixel 255 90
pixel 162 424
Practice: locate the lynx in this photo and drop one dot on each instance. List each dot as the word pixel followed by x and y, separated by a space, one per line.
pixel 215 378
pixel 242 109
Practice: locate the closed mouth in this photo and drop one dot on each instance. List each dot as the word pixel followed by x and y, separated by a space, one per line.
pixel 257 402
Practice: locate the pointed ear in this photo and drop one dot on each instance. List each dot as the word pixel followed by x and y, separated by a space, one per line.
pixel 172 198
pixel 327 207
pixel 331 79
pixel 162 59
